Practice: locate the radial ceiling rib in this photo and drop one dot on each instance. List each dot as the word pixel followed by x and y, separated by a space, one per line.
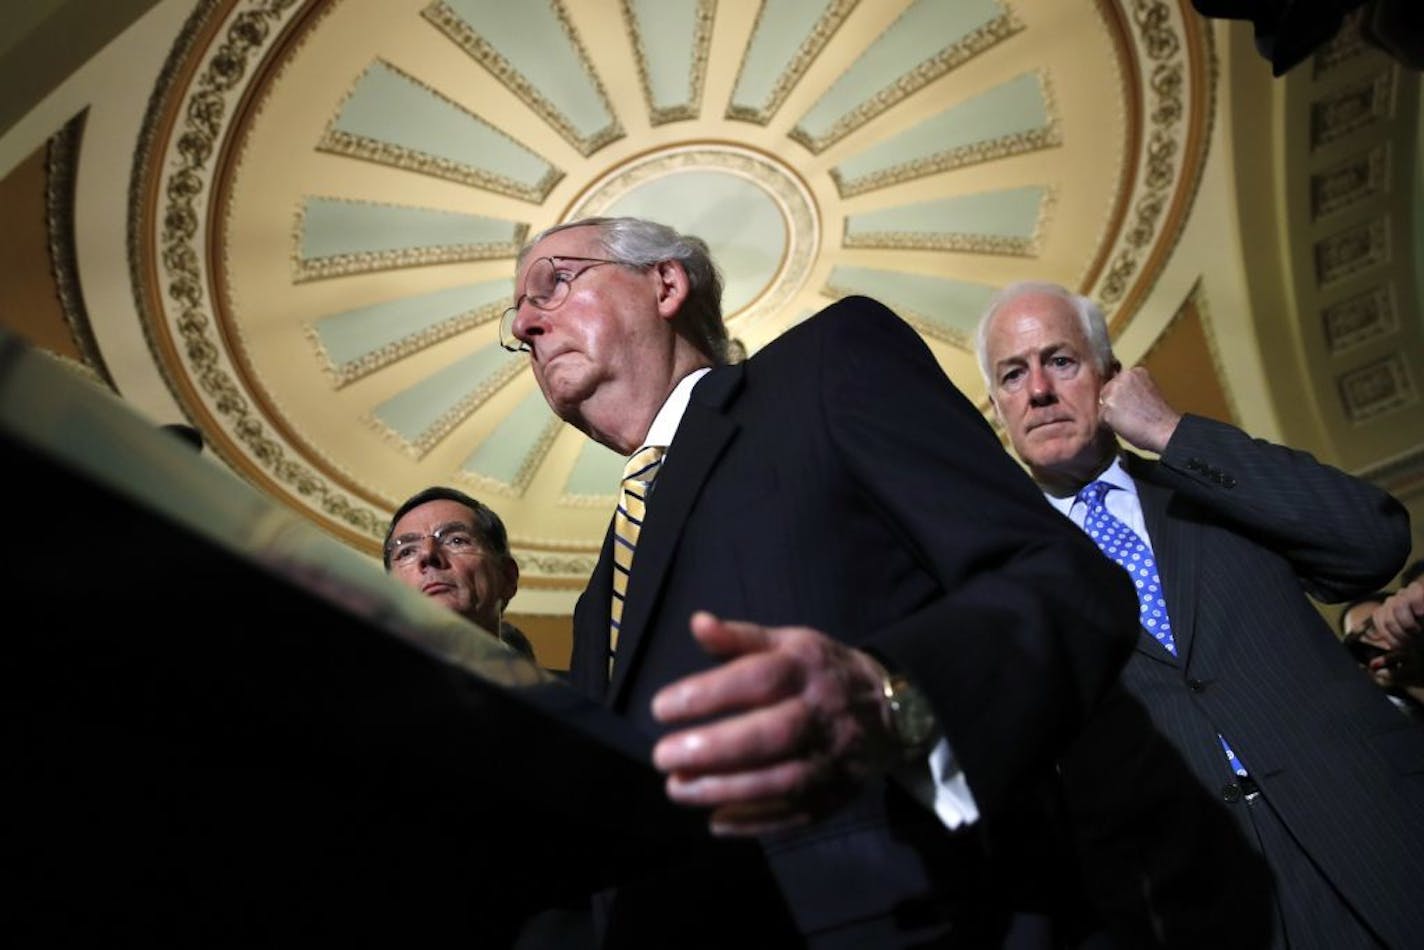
pixel 930 38
pixel 999 222
pixel 356 342
pixel 786 39
pixel 594 470
pixel 507 459
pixel 533 50
pixel 393 119
pixel 1007 120
pixel 944 309
pixel 426 412
pixel 337 237
pixel 670 43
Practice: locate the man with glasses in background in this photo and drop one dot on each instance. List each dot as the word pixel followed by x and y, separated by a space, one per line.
pixel 453 549
pixel 831 599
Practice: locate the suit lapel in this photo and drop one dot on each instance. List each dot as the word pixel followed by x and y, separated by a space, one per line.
pixel 589 665
pixel 1176 550
pixel 701 436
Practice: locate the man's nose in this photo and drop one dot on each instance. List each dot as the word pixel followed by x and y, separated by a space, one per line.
pixel 432 554
pixel 1040 387
pixel 529 322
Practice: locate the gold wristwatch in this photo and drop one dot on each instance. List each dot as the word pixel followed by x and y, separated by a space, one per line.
pixel 912 721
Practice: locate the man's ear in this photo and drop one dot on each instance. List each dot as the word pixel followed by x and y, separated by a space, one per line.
pixel 509 581
pixel 673 287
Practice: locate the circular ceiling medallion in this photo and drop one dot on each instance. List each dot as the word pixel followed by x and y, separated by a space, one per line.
pixel 754 212
pixel 330 197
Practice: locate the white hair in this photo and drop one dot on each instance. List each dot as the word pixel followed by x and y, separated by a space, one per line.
pixel 1090 319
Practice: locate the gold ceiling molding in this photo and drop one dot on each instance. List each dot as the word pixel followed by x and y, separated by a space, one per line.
pixel 973 43
pixel 830 21
pixel 446 422
pixel 1382 386
pixel 365 262
pixel 578 500
pixel 999 244
pixel 528 466
pixel 1345 45
pixel 1173 54
pixel 479 49
pixel 183 136
pixel 61 161
pixel 696 65
pixel 961 156
pixel 339 142
pixel 343 374
pixel 783 185
pixel 551 570
pixel 1353 108
pixel 1353 181
pixel 1350 257
pixel 1354 249
pixel 1360 318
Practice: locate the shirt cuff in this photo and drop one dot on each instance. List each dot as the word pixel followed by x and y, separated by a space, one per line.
pixel 940 785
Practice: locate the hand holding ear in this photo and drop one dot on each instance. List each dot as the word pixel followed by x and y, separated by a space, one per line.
pixel 1131 405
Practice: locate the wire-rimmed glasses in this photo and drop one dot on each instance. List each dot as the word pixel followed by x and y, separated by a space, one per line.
pixel 546 287
pixel 456 540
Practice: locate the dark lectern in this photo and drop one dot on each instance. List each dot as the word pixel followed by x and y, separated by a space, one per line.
pixel 225 728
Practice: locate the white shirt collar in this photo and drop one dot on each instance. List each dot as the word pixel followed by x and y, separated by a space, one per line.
pixel 669 417
pixel 1115 475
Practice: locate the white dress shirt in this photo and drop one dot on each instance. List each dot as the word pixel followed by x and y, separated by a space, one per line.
pixel 1124 504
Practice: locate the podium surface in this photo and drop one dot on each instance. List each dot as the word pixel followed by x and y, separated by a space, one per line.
pixel 227 728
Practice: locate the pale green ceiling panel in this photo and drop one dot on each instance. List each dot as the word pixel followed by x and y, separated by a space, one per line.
pixel 552 72
pixel 428 409
pixel 926 38
pixel 596 472
pixel 333 227
pixel 385 331
pixel 732 214
pixel 781 29
pixel 668 42
pixel 1008 118
pixel 1003 221
pixel 391 108
pixel 513 450
pixel 945 309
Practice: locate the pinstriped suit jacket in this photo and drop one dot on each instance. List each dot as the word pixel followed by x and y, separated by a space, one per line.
pixel 1242 529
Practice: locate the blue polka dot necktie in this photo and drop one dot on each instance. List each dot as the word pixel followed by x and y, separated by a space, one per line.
pixel 1122 544
pixel 1129 551
pixel 638 476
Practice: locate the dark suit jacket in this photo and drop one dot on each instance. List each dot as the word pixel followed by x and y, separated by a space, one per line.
pixel 1241 530
pixel 1162 865
pixel 838 480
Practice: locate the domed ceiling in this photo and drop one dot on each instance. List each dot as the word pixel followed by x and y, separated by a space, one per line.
pixel 330 196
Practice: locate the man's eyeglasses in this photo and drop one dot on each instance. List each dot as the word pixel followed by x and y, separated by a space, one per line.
pixel 546 287
pixel 456 540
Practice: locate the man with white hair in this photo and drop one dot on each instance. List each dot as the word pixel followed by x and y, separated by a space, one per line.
pixel 1221 533
pixel 826 594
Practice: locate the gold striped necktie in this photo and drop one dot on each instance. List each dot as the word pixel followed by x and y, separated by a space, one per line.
pixel 638 477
